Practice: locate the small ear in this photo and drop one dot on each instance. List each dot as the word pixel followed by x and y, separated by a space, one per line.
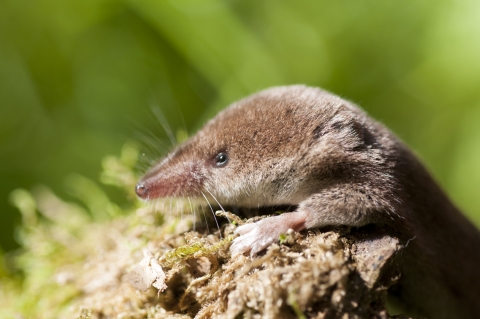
pixel 346 125
pixel 359 129
pixel 336 124
pixel 363 133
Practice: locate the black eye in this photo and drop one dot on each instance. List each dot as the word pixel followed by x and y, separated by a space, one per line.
pixel 221 159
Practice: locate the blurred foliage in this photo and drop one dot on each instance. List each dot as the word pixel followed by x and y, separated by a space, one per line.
pixel 78 79
pixel 57 237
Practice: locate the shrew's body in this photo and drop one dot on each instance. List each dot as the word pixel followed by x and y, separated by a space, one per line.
pixel 303 146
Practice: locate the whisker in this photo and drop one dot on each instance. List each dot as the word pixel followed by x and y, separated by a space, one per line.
pixel 206 221
pixel 161 118
pixel 140 135
pixel 151 148
pixel 155 208
pixel 181 211
pixel 183 120
pixel 151 139
pixel 214 216
pixel 193 211
pixel 215 199
pixel 217 203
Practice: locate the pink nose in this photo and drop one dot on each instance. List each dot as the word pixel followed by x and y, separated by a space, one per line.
pixel 141 190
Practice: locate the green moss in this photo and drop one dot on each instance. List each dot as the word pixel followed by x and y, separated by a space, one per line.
pixel 86 314
pixel 196 249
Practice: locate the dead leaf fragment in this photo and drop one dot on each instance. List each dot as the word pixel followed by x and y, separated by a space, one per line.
pixel 147 273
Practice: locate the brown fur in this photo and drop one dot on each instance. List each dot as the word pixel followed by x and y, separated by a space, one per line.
pixel 303 146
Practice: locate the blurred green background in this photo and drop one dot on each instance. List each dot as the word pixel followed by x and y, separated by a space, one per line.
pixel 78 78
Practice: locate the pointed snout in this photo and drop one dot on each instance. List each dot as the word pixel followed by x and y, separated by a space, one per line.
pixel 183 179
pixel 148 189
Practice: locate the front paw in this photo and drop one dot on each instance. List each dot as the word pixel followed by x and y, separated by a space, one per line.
pixel 257 236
